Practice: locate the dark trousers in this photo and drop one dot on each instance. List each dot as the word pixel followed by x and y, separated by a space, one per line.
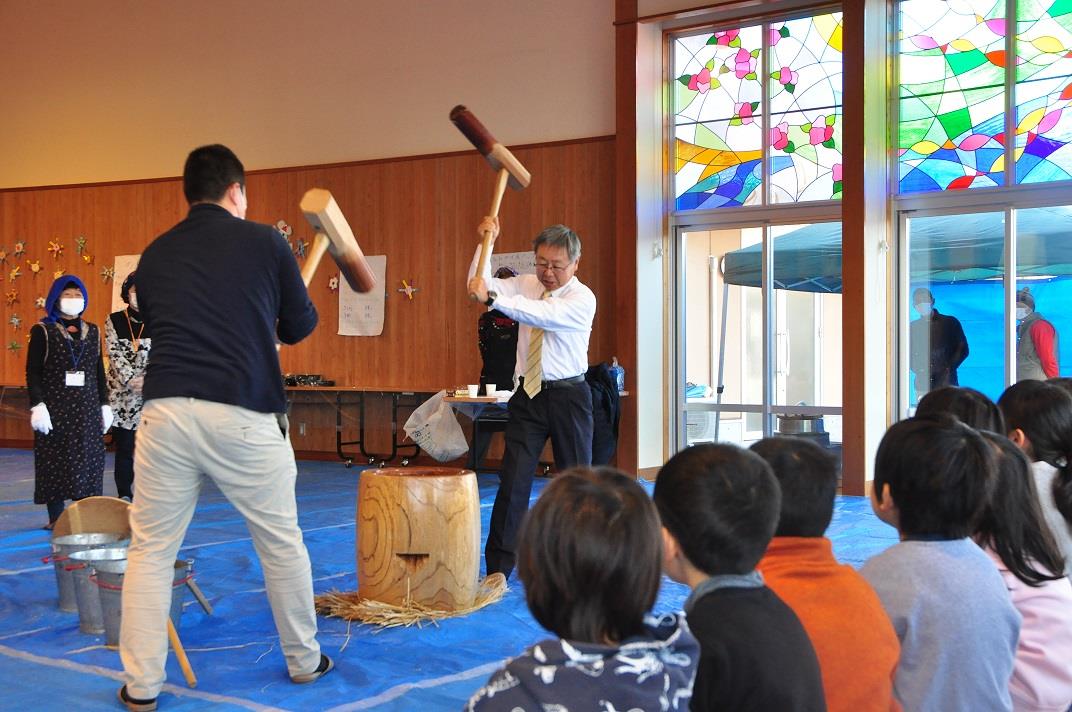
pixel 562 414
pixel 124 461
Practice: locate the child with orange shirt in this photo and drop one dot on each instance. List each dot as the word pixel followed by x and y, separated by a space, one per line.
pixel 852 635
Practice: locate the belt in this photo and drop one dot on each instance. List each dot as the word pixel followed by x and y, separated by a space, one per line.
pixel 560 383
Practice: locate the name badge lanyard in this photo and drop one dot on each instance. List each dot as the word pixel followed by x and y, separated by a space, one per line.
pixel 81 350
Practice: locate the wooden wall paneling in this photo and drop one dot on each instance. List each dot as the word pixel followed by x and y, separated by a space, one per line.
pixel 420 212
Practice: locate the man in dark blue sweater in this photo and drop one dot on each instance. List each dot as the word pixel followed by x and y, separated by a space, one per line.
pixel 216 291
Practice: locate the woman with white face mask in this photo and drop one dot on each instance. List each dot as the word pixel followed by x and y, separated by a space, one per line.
pixel 128 342
pixel 70 411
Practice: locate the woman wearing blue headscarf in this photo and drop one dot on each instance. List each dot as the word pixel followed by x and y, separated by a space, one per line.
pixel 70 412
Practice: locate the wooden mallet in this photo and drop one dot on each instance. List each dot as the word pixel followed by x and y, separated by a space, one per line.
pixel 510 169
pixel 333 234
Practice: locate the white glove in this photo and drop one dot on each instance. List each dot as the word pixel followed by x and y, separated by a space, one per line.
pixel 106 416
pixel 40 420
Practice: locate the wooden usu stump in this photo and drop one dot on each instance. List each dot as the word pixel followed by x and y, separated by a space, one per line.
pixel 418 535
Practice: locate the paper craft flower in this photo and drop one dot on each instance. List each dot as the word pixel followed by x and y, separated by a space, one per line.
pixel 57 274
pixel 16 321
pixel 20 249
pixel 81 244
pixel 55 248
pixel 285 229
pixel 14 274
pixel 87 258
pixel 12 297
pixel 107 273
pixel 300 246
pixel 14 346
pixel 3 255
pixel 333 283
pixel 35 266
pixel 39 302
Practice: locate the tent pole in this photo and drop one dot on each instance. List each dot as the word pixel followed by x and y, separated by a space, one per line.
pixel 721 345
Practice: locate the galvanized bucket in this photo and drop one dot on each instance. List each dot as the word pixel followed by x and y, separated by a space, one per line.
pixel 109 580
pixel 80 563
pixel 63 547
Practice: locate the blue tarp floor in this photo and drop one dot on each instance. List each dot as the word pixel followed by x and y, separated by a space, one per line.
pixel 47 664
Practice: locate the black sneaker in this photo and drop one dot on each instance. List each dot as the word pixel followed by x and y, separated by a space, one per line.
pixel 322 669
pixel 135 705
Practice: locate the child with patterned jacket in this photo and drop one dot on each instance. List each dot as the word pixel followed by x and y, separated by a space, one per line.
pixel 589 559
pixel 946 600
pixel 719 506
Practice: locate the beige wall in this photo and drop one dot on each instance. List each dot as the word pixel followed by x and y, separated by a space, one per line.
pixel 102 90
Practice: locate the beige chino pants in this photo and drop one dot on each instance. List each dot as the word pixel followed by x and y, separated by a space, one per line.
pixel 252 463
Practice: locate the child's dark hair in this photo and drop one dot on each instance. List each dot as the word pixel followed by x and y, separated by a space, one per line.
pixel 1012 523
pixel 940 473
pixel 807 475
pixel 1061 382
pixel 590 556
pixel 721 503
pixel 968 405
pixel 1043 412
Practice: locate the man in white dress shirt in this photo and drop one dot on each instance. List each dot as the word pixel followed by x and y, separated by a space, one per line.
pixel 555 312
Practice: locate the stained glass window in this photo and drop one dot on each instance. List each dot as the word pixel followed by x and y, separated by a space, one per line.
pixel 723 89
pixel 718 132
pixel 953 72
pixel 952 94
pixel 805 109
pixel 1043 90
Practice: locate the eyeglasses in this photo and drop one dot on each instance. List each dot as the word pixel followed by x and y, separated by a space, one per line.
pixel 545 266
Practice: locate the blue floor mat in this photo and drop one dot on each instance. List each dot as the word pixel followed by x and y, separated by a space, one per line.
pixel 49 665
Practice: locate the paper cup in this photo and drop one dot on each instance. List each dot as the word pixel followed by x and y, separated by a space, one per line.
pixel 474 390
pixel 489 389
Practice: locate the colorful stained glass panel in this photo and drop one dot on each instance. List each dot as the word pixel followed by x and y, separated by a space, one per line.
pixel 805 155
pixel 952 98
pixel 1043 147
pixel 718 115
pixel 805 64
pixel 717 164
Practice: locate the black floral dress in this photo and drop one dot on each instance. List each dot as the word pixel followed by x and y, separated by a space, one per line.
pixel 69 461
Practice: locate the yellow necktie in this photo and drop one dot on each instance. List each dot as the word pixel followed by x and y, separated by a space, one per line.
pixel 533 364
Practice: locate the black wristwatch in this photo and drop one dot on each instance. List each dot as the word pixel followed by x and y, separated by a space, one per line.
pixel 491 298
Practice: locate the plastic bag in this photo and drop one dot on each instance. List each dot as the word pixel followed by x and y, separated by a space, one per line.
pixel 435 429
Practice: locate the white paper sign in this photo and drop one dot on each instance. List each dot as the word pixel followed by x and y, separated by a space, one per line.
pixel 362 314
pixel 520 262
pixel 124 265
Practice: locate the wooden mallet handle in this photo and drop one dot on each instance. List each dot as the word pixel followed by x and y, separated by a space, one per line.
pixel 496 201
pixel 180 654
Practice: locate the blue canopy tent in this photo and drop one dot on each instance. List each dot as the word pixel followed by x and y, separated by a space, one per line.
pixel 945 249
pixel 960 258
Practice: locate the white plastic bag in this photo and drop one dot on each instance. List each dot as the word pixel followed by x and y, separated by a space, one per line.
pixel 435 429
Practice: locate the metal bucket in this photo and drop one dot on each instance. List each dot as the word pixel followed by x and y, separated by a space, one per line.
pixel 800 424
pixel 80 563
pixel 109 579
pixel 62 547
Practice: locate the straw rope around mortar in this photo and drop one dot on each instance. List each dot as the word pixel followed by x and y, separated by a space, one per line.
pixel 351 606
